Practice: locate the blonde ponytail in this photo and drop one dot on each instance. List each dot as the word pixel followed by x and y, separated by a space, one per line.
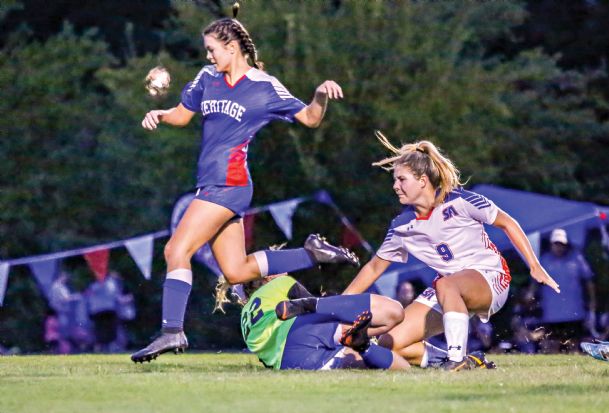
pixel 422 158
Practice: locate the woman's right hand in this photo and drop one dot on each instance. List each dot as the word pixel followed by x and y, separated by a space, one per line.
pixel 329 89
pixel 153 118
pixel 540 275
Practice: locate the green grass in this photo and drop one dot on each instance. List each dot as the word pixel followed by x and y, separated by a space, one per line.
pixel 237 383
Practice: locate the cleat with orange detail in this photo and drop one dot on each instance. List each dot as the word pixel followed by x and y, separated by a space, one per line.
pixel 292 308
pixel 356 337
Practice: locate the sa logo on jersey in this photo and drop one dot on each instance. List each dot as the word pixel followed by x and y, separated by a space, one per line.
pixel 449 212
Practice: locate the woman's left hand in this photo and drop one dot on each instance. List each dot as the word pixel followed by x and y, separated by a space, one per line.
pixel 331 89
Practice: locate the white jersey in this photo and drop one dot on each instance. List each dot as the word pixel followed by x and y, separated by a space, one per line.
pixel 452 238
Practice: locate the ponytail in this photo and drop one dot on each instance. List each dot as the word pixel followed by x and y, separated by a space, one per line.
pixel 423 158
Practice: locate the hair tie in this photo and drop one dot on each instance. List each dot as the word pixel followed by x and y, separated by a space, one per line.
pixel 420 150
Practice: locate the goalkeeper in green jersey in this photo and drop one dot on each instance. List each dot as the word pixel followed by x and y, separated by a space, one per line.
pixel 336 336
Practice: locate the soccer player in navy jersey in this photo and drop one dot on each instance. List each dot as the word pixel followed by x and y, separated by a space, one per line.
pixel 236 99
pixel 442 225
pixel 337 336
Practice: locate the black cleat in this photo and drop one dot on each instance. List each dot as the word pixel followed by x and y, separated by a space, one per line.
pixel 176 342
pixel 356 336
pixel 292 308
pixel 479 361
pixel 325 253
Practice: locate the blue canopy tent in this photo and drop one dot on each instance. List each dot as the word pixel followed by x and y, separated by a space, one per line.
pixel 537 214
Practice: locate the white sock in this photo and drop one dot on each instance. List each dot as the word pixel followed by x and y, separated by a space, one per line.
pixel 263 263
pixel 432 355
pixel 182 274
pixel 456 326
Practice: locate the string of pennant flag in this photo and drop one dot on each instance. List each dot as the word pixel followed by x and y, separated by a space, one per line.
pixel 45 267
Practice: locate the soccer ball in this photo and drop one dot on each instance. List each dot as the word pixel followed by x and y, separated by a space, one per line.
pixel 157 81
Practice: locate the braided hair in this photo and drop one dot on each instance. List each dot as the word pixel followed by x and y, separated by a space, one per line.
pixel 228 29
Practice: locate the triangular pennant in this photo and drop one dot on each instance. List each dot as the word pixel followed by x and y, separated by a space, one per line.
pixel 535 240
pixel 45 273
pixel 141 252
pixel 248 229
pixel 4 267
pixel 282 214
pixel 98 262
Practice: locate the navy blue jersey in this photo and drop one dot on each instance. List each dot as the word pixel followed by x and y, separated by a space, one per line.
pixel 231 117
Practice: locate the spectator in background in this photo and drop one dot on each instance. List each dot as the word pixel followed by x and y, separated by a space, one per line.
pixel 54 340
pixel 525 323
pixel 109 309
pixel 126 313
pixel 65 321
pixel 480 335
pixel 603 323
pixel 564 315
pixel 405 293
pixel 102 298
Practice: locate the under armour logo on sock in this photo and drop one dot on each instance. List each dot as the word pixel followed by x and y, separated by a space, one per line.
pixel 454 348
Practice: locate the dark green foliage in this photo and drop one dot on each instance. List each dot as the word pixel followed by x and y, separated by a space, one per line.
pixel 128 27
pixel 78 168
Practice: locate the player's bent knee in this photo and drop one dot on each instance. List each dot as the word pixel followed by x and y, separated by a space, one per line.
pixel 395 312
pixel 387 310
pixel 172 253
pixel 231 276
pixel 443 285
pixel 236 274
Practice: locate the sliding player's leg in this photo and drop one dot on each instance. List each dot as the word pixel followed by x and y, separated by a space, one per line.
pixel 314 343
pixel 357 337
pixel 386 313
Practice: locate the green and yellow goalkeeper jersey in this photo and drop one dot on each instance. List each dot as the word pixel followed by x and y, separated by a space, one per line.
pixel 263 332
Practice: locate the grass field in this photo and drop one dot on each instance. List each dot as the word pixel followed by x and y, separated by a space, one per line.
pixel 237 383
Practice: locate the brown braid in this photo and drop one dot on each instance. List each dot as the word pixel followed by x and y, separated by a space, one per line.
pixel 227 30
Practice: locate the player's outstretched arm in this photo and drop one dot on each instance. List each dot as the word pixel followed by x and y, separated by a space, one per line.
pixel 367 275
pixel 519 239
pixel 312 115
pixel 177 116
